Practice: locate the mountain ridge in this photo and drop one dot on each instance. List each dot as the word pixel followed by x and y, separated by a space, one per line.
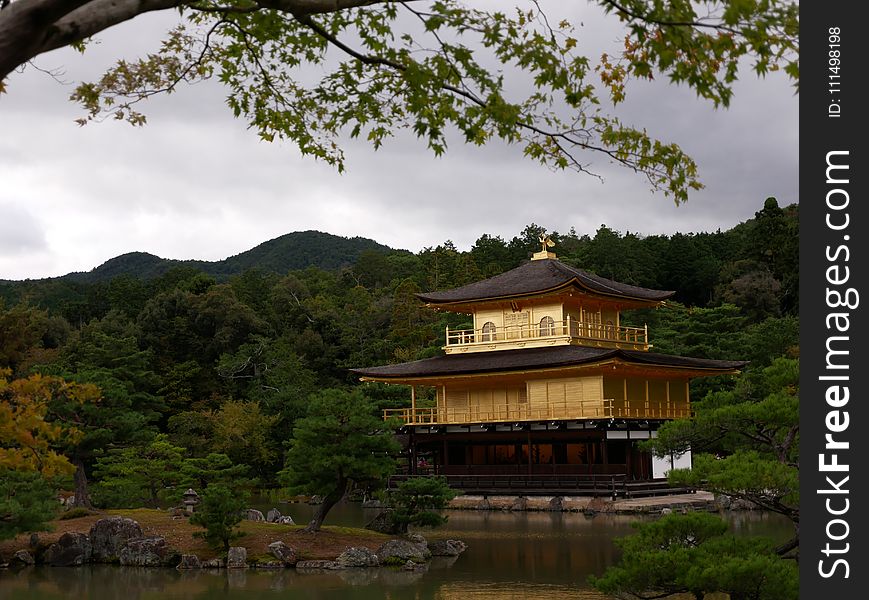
pixel 291 251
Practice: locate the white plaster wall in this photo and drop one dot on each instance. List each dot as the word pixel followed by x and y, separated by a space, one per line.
pixel 660 466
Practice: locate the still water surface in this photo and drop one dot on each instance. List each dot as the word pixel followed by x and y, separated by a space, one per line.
pixel 532 555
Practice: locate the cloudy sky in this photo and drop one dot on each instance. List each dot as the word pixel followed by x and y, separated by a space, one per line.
pixel 195 183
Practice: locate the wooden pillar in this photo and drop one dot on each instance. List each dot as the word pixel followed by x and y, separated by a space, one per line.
pixel 627 405
pixel 528 438
pixel 445 417
pixel 412 441
pixel 413 403
pixel 646 406
pixel 669 409
pixel 629 452
pixel 581 321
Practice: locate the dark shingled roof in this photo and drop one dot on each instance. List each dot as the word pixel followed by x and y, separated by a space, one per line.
pixel 537 276
pixel 537 358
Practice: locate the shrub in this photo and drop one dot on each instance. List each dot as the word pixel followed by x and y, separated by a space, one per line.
pixel 219 512
pixel 74 513
pixel 415 500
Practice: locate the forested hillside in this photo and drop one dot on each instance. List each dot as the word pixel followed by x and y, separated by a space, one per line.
pixel 222 361
pixel 297 250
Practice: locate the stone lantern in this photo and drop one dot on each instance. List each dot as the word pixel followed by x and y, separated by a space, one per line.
pixel 190 500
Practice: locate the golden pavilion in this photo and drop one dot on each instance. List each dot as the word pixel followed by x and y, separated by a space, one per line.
pixel 548 382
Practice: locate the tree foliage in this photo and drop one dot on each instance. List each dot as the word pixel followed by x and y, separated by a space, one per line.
pixel 27 502
pixel 214 469
pixel 140 475
pixel 219 512
pixel 431 68
pixel 29 433
pixel 30 466
pixel 700 43
pixel 340 442
pixel 241 431
pixel 691 554
pixel 28 335
pixel 158 472
pixel 416 500
pixel 745 442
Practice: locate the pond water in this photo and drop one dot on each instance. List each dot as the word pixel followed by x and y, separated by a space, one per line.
pixel 510 555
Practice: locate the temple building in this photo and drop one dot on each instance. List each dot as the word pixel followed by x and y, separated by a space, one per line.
pixel 547 382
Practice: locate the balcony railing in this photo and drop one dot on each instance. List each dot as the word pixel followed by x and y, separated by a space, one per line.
pixel 513 413
pixel 635 338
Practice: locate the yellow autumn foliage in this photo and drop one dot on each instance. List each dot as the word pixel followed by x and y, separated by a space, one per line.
pixel 26 437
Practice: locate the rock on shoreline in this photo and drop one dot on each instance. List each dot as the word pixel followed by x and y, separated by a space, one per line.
pixel 653 504
pixel 121 540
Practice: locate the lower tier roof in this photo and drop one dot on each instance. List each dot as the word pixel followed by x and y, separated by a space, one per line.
pixel 538 358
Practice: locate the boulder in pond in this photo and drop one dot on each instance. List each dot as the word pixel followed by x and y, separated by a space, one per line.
pixel 108 536
pixel 273 515
pixel 71 550
pixel 413 566
pixel 189 561
pixel 397 552
pixel 148 552
pixel 214 563
pixel 22 558
pixel 236 558
pixel 357 557
pixel 447 547
pixel 284 553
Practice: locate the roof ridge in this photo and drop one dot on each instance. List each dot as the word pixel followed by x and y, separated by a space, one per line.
pixel 544 275
pixel 538 358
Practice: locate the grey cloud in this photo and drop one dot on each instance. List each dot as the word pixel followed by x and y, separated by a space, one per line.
pixel 20 232
pixel 195 183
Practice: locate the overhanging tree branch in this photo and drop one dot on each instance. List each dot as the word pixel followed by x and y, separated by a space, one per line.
pixel 29 28
pixel 620 8
pixel 393 81
pixel 558 138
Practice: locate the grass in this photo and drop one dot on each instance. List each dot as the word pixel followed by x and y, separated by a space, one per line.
pixel 178 532
pixel 75 513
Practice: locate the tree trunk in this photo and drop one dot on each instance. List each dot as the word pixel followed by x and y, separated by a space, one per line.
pixel 28 29
pixel 82 498
pixel 329 501
pixel 789 546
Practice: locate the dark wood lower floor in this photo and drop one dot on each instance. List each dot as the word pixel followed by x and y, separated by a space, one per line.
pixel 612 486
pixel 564 454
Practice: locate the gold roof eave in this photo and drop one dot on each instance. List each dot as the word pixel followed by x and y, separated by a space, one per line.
pixel 572 282
pixel 545 371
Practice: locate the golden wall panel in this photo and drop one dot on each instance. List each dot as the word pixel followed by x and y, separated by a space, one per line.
pixel 576 397
pixel 481 317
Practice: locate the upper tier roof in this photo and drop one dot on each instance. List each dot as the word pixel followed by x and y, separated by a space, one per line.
pixel 538 276
pixel 539 358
